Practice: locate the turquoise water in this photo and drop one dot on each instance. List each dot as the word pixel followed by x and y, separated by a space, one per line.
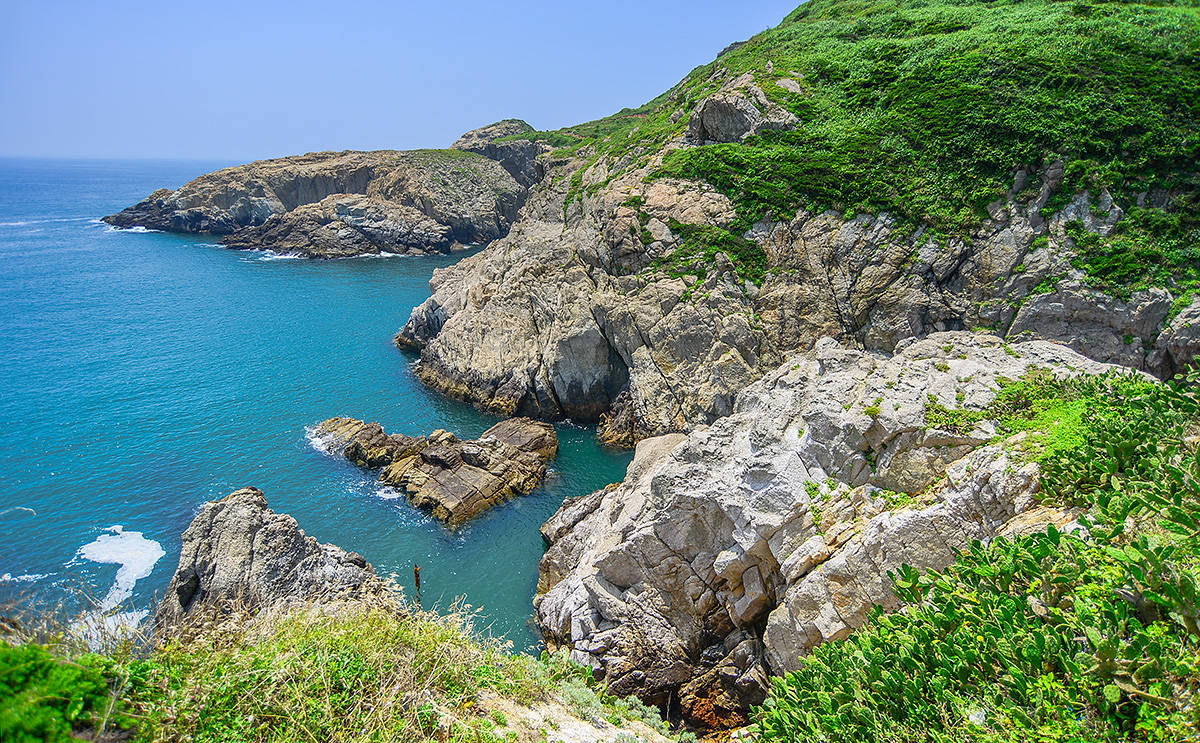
pixel 142 374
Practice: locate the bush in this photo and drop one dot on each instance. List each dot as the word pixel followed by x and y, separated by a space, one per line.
pixel 1091 636
pixel 43 697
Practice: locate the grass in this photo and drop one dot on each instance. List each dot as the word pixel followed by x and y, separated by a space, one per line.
pixel 925 109
pixel 366 674
pixel 1087 636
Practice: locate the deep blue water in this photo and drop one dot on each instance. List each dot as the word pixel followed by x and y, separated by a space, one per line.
pixel 142 374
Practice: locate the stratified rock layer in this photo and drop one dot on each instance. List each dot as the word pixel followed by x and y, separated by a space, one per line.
pixel 330 204
pixel 455 480
pixel 239 553
pixel 733 551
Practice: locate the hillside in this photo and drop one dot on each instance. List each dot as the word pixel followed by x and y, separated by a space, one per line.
pixel 870 172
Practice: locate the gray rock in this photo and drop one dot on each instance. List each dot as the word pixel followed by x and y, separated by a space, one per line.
pixel 455 480
pixel 465 197
pixel 738 110
pixel 569 315
pixel 520 157
pixel 1181 339
pixel 239 553
pixel 751 540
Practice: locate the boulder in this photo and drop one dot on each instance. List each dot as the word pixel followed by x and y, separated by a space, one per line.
pixel 238 553
pixel 728 554
pixel 738 110
pixel 454 480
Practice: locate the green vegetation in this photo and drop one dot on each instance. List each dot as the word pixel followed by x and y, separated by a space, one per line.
pixel 1089 636
pixel 43 696
pixel 699 245
pixel 926 108
pixel 365 675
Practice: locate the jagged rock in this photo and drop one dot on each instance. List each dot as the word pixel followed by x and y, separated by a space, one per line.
pixel 568 315
pixel 455 480
pixel 465 197
pixel 518 156
pixel 341 226
pixel 239 552
pixel 1181 339
pixel 742 545
pixel 738 110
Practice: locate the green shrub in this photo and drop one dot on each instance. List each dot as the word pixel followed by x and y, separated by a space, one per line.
pixel 43 696
pixel 1090 636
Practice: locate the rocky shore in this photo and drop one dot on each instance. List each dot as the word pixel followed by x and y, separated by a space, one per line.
pixel 343 204
pixel 238 554
pixel 454 480
pixel 726 555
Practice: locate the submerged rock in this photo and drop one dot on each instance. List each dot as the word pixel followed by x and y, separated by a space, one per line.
pixel 238 553
pixel 333 204
pixel 730 553
pixel 454 480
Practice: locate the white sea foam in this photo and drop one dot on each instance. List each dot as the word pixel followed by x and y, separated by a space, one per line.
pixel 389 493
pixel 136 228
pixel 326 444
pixel 136 555
pixel 18 509
pixel 26 222
pixel 26 578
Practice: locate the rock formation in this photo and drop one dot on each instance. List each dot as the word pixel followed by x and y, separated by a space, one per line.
pixel 573 315
pixel 731 552
pixel 455 480
pixel 333 204
pixel 239 552
pixel 516 155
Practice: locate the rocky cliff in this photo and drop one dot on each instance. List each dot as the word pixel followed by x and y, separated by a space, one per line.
pixel 239 553
pixel 675 253
pixel 334 204
pixel 726 555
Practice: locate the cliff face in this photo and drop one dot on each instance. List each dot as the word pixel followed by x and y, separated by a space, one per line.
pixel 673 254
pixel 333 204
pixel 725 556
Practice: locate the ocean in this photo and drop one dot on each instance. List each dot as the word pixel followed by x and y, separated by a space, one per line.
pixel 144 373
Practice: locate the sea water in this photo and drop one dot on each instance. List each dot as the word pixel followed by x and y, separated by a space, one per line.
pixel 144 373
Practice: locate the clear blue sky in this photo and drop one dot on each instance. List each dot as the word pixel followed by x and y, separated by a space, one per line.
pixel 246 80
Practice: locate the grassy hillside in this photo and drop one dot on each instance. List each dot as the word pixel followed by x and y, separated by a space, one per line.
pixel 1088 636
pixel 926 108
pixel 361 675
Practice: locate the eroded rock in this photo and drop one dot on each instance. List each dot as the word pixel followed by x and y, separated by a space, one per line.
pixel 452 479
pixel 423 199
pixel 239 553
pixel 733 551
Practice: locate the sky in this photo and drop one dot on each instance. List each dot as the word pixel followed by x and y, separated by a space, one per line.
pixel 248 80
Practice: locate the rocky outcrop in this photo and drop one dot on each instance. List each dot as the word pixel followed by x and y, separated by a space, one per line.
pixel 424 199
pixel 738 110
pixel 516 155
pixel 454 480
pixel 580 312
pixel 1180 341
pixel 342 226
pixel 728 554
pixel 239 553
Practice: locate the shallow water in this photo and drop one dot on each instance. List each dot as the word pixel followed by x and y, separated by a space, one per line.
pixel 143 373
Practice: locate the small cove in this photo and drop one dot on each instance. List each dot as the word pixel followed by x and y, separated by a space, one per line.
pixel 144 373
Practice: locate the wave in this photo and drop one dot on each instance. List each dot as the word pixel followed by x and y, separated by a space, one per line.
pixel 326 444
pixel 26 578
pixel 137 228
pixel 18 509
pixel 47 220
pixel 136 555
